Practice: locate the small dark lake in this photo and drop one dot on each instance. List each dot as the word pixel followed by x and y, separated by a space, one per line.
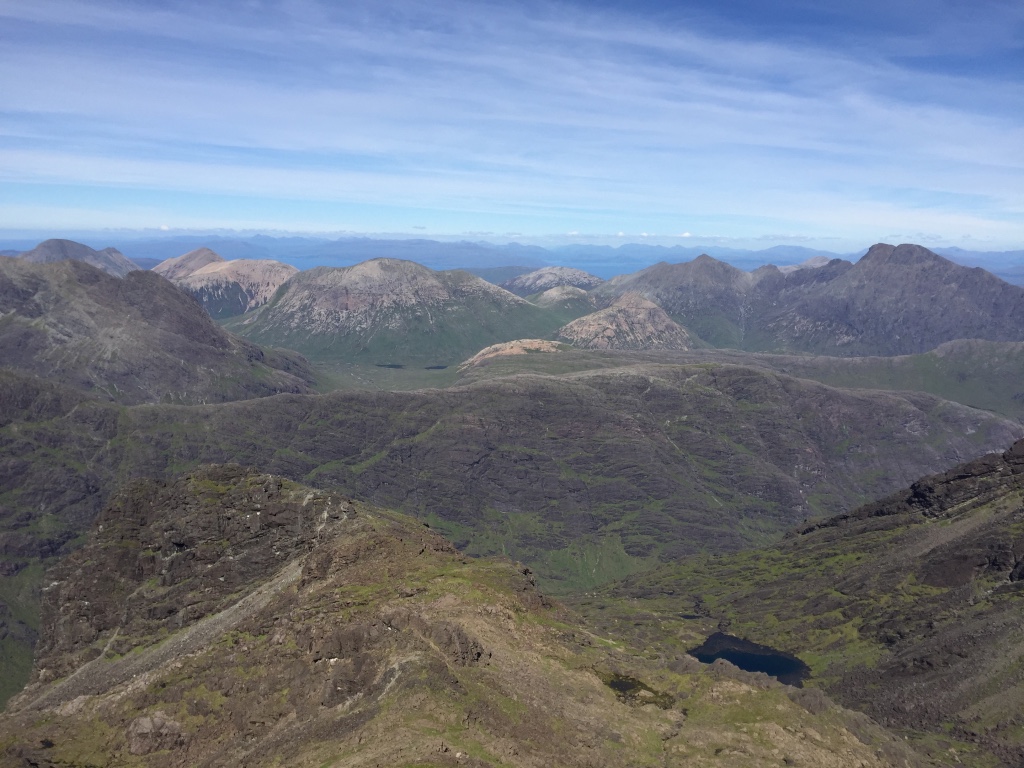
pixel 752 657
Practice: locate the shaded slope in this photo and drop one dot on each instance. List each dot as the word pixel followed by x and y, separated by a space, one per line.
pixel 110 260
pixel 391 312
pixel 909 608
pixel 613 468
pixel 244 620
pixel 134 339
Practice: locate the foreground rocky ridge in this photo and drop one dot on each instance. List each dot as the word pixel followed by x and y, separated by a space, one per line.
pixel 241 619
pixel 909 608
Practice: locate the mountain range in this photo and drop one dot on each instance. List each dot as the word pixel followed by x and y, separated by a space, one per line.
pixel 391 312
pixel 218 560
pixel 895 300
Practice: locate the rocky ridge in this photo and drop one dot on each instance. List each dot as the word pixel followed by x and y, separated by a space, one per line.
pixel 241 619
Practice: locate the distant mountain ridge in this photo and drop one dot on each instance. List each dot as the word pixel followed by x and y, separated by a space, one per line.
pixel 895 300
pixel 388 311
pixel 110 260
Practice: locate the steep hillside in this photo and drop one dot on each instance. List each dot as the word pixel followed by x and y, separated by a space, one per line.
pixel 546 278
pixel 134 339
pixel 110 260
pixel 393 313
pixel 894 301
pixel 234 618
pixel 910 609
pixel 631 322
pixel 230 288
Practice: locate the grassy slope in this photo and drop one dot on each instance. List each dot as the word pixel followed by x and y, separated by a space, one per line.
pixel 982 374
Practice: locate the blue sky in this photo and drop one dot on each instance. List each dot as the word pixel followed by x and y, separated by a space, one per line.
pixel 828 124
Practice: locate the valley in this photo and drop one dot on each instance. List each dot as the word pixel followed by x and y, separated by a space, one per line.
pixel 663 454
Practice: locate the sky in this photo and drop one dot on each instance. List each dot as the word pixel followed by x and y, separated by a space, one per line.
pixel 833 125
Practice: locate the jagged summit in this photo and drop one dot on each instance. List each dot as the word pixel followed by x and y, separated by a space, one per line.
pixel 110 260
pixel 896 300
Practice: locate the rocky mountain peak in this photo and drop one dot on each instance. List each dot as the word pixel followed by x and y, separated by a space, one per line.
pixel 632 322
pixel 187 264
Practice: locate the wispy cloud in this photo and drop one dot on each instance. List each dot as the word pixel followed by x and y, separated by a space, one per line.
pixel 558 115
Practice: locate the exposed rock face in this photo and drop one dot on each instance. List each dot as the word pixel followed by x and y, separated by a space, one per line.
pixel 349 630
pixel 230 288
pixel 225 288
pixel 913 605
pixel 110 260
pixel 632 322
pixel 547 278
pixel 185 265
pixel 154 733
pixel 564 295
pixel 895 300
pixel 134 339
pixel 392 311
pixel 517 347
